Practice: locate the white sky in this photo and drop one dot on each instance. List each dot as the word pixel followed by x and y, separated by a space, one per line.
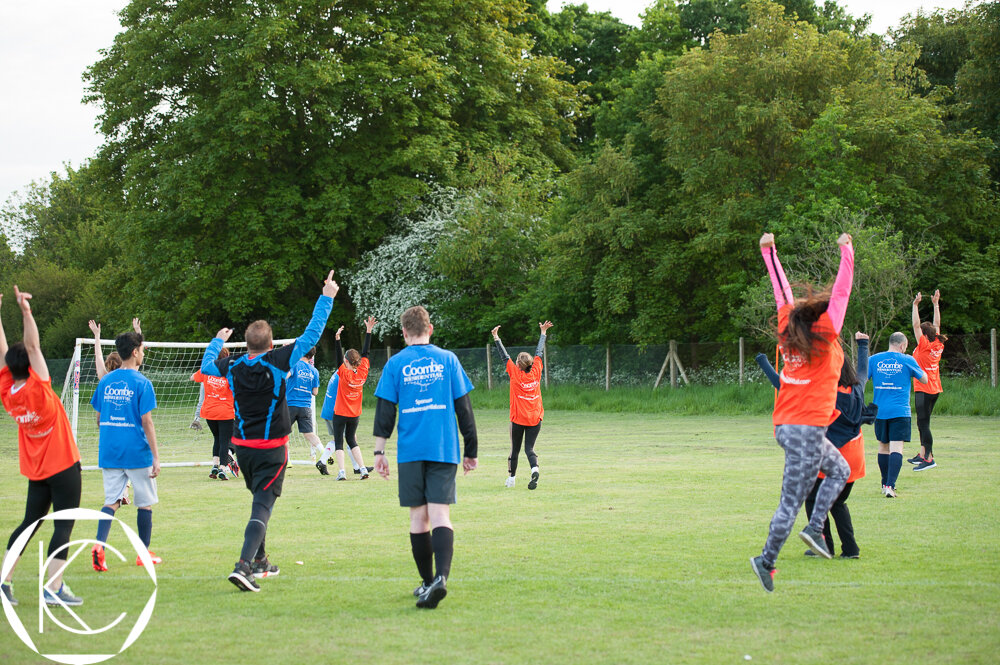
pixel 45 45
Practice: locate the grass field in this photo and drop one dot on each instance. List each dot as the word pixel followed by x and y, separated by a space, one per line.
pixel 634 549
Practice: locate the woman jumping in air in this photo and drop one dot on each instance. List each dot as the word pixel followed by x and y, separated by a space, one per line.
pixel 930 346
pixel 352 373
pixel 809 339
pixel 525 404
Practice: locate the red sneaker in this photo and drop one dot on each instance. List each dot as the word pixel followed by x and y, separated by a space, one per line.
pixel 97 556
pixel 156 559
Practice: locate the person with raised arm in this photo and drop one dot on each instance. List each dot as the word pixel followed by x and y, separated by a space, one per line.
pixel 930 346
pixel 104 365
pixel 262 425
pixel 352 373
pixel 526 410
pixel 47 452
pixel 809 340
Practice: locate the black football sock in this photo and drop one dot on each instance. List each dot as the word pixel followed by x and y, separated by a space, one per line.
pixel 444 546
pixel 423 555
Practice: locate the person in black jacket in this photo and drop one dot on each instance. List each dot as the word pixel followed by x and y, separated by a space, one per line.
pixel 845 434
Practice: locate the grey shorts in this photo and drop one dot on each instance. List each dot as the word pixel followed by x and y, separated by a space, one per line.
pixel 421 483
pixel 143 486
pixel 303 415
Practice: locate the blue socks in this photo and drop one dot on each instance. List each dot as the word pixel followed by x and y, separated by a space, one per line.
pixel 883 466
pixel 104 526
pixel 144 525
pixel 895 464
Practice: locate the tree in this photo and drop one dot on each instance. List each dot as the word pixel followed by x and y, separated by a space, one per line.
pixel 262 145
pixel 978 80
pixel 701 18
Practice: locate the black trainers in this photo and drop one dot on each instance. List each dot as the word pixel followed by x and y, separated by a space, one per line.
pixel 433 594
pixel 849 556
pixel 926 464
pixel 322 469
pixel 264 568
pixel 916 459
pixel 533 483
pixel 421 589
pixel 764 574
pixel 8 593
pixel 814 539
pixel 222 475
pixel 242 577
pixel 214 473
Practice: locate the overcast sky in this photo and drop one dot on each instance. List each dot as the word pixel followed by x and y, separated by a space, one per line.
pixel 45 45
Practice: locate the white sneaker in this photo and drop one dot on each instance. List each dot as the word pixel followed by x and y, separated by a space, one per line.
pixel 509 482
pixel 341 475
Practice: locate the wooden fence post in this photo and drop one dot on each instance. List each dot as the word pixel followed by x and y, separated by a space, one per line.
pixel 673 363
pixel 388 352
pixel 993 357
pixel 607 367
pixel 489 369
pixel 741 361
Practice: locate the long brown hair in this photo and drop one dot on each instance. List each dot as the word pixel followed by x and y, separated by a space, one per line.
pixel 799 335
pixel 931 333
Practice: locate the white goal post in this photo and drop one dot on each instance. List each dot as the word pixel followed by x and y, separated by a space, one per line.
pixel 169 366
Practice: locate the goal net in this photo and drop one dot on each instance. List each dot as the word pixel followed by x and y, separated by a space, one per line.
pixel 169 366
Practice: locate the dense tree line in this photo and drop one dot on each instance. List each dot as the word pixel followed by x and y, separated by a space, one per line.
pixel 504 164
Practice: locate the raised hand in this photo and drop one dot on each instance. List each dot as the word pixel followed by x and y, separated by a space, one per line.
pixel 936 298
pixel 917 298
pixel 370 324
pixel 330 287
pixel 224 334
pixel 22 300
pixel 339 330
pixel 860 335
pixel 95 328
pixel 844 239
pixel 545 326
pixel 767 240
pixel 136 325
pixel 495 332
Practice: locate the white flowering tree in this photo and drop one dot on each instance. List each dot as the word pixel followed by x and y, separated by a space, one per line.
pixel 399 273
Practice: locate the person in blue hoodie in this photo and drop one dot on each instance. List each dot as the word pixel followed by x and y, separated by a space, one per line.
pixel 845 434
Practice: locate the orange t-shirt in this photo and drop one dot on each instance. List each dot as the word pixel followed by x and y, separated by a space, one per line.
pixel 853 453
pixel 808 393
pixel 349 390
pixel 218 404
pixel 525 393
pixel 44 437
pixel 928 355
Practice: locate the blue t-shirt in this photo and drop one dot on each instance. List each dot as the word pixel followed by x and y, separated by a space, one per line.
pixel 890 372
pixel 330 401
pixel 299 386
pixel 424 381
pixel 122 398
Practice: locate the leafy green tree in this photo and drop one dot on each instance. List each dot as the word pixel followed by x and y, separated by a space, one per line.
pixel 943 39
pixel 703 17
pixel 262 145
pixel 978 81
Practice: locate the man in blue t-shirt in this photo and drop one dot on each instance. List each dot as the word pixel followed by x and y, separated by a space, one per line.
pixel 890 372
pixel 431 390
pixel 127 448
pixel 300 387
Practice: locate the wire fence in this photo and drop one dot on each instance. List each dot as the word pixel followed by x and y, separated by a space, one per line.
pixel 703 363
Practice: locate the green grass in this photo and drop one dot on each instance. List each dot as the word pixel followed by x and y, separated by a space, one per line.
pixel 634 549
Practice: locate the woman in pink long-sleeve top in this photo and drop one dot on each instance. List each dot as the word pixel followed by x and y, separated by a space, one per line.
pixel 809 339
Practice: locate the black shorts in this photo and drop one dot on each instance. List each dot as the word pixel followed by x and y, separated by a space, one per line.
pixel 263 468
pixel 421 483
pixel 893 429
pixel 303 415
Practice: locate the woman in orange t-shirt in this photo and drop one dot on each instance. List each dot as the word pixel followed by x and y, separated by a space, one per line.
pixel 525 404
pixel 930 346
pixel 48 454
pixel 218 412
pixel 809 339
pixel 352 374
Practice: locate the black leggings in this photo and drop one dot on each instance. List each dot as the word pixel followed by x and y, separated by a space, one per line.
pixel 222 431
pixel 345 427
pixel 59 491
pixel 529 434
pixel 841 515
pixel 925 405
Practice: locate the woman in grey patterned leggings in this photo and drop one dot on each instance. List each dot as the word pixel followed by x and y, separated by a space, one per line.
pixel 809 339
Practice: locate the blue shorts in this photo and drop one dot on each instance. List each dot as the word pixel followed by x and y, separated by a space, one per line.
pixel 893 429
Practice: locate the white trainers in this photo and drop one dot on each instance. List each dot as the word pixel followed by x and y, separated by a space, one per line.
pixel 509 482
pixel 341 475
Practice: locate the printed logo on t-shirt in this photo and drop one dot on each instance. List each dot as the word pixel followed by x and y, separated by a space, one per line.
pixel 27 418
pixel 118 394
pixel 423 372
pixel 889 367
